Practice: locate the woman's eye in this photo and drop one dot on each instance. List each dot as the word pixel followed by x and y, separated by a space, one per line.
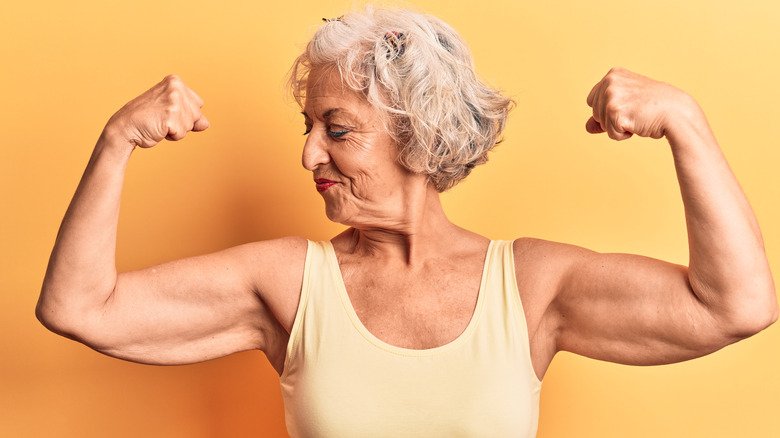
pixel 307 131
pixel 337 134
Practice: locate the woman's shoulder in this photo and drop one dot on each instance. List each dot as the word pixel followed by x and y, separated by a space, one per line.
pixel 535 247
pixel 278 266
pixel 279 250
pixel 541 265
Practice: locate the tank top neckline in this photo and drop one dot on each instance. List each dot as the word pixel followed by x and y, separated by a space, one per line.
pixel 463 337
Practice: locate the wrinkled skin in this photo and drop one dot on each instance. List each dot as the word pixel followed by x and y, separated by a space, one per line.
pixel 626 103
pixel 347 143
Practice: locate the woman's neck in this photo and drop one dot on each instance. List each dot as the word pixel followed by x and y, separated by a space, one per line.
pixel 419 232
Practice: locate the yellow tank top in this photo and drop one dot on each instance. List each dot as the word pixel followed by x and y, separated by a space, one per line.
pixel 339 380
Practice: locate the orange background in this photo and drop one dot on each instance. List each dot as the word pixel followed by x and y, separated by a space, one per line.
pixel 68 66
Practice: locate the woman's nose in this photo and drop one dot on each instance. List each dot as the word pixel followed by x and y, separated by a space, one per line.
pixel 314 152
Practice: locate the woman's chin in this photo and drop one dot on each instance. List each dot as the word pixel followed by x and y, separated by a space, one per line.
pixel 334 214
pixel 338 215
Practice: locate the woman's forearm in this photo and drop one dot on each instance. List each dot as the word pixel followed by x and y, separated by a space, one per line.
pixel 728 268
pixel 82 270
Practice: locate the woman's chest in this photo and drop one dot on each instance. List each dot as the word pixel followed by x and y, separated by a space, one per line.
pixel 370 392
pixel 420 311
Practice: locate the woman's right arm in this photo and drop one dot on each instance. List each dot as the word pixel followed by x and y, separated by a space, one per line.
pixel 182 311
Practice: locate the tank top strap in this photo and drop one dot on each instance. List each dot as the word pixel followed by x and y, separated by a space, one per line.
pixel 316 307
pixel 504 325
pixel 513 307
pixel 501 283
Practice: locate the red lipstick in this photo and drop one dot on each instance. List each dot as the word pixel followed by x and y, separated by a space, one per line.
pixel 323 184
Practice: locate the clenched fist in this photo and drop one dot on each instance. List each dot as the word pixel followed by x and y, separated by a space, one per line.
pixel 167 110
pixel 626 103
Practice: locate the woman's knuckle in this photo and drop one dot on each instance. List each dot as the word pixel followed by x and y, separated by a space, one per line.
pixel 174 94
pixel 616 135
pixel 612 107
pixel 172 109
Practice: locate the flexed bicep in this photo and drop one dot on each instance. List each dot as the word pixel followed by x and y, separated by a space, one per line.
pixel 627 308
pixel 197 308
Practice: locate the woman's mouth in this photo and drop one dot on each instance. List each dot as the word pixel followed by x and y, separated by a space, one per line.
pixel 323 184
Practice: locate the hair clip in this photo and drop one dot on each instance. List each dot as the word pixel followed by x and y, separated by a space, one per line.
pixel 395 39
pixel 328 20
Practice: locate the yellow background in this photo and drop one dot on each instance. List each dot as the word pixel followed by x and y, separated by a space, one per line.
pixel 68 66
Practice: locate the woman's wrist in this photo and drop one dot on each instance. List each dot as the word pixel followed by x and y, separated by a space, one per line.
pixel 112 142
pixel 687 125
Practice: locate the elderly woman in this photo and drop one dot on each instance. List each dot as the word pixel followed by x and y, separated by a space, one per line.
pixel 406 324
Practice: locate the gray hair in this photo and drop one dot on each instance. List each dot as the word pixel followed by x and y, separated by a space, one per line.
pixel 419 72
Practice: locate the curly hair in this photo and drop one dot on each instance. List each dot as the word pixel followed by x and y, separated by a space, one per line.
pixel 419 72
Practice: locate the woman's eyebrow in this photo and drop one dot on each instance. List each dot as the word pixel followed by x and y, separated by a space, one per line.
pixel 332 112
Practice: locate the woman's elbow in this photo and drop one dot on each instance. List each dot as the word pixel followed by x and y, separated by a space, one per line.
pixel 60 319
pixel 775 315
pixel 753 317
pixel 51 318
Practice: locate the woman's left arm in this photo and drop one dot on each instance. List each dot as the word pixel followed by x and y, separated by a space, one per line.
pixel 728 268
pixel 617 301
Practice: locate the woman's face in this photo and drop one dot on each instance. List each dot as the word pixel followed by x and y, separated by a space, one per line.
pixel 352 157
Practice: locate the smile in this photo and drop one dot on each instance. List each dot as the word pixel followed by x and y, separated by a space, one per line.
pixel 323 184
